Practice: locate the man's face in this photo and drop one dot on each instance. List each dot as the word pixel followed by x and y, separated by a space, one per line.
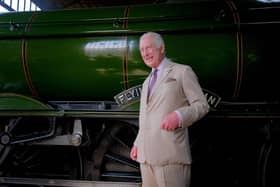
pixel 151 54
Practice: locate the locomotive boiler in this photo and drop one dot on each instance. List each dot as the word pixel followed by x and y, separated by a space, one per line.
pixel 70 83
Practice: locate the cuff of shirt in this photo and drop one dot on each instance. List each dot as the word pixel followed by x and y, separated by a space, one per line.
pixel 180 117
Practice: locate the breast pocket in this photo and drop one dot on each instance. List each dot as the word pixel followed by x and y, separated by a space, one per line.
pixel 170 86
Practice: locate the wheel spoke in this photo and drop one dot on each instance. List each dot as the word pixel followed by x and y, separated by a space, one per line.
pixel 111 158
pixel 121 142
pixel 122 159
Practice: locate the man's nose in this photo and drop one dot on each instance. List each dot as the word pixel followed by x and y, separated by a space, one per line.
pixel 145 53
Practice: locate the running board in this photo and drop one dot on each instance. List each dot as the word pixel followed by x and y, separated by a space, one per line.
pixel 64 183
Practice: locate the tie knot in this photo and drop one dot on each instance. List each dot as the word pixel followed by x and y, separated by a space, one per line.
pixel 155 72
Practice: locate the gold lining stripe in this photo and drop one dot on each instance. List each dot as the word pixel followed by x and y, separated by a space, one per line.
pixel 28 79
pixel 239 45
pixel 125 54
pixel 25 98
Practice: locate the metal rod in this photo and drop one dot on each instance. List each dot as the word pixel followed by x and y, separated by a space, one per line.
pixel 62 183
pixel 24 5
pixel 6 6
pixel 17 5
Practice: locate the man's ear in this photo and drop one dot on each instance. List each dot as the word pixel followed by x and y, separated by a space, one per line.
pixel 162 48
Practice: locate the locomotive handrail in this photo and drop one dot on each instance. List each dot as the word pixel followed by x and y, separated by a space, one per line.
pixel 217 28
pixel 135 19
pixel 102 20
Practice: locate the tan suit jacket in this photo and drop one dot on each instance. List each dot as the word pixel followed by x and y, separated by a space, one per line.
pixel 176 88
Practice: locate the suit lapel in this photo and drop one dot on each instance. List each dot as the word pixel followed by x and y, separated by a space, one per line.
pixel 163 75
pixel 145 89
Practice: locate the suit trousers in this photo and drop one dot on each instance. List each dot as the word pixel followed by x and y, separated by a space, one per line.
pixel 173 175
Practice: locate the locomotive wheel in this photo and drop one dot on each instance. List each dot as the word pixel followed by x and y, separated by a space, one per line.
pixel 111 158
pixel 4 151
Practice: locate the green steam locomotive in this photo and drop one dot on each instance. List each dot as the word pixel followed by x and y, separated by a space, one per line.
pixel 70 82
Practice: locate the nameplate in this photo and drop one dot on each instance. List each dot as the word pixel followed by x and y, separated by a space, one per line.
pixel 129 96
pixel 133 95
pixel 212 98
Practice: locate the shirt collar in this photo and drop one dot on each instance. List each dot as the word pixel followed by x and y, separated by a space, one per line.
pixel 161 65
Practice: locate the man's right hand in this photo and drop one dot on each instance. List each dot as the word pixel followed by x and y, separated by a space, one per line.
pixel 133 153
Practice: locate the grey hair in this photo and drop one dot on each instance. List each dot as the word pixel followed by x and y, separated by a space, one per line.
pixel 156 37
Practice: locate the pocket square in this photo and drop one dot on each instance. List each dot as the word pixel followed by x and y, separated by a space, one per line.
pixel 170 80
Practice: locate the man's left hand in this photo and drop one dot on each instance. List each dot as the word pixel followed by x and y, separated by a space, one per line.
pixel 170 122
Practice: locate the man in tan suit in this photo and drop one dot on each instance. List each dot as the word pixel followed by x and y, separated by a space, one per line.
pixel 171 101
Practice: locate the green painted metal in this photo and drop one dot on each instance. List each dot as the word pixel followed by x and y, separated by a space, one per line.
pixel 20 102
pixel 93 54
pixel 12 78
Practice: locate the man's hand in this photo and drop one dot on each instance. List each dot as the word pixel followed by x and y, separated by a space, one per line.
pixel 170 122
pixel 133 153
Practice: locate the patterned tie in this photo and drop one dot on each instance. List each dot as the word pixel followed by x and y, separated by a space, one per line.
pixel 152 82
